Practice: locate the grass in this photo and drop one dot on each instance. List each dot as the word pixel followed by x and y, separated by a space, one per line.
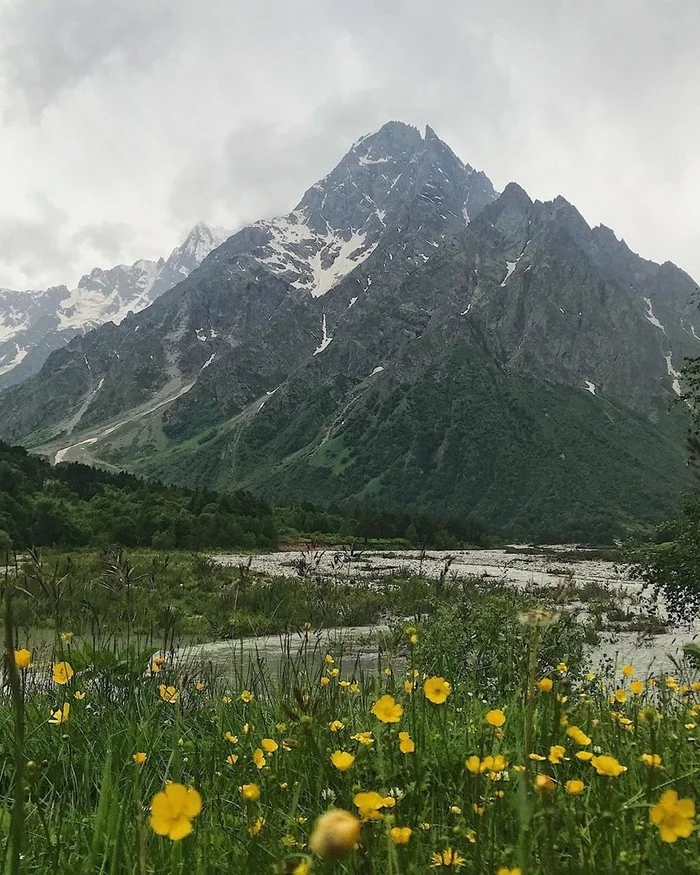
pixel 86 806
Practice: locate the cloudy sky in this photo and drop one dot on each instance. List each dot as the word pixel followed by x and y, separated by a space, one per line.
pixel 126 121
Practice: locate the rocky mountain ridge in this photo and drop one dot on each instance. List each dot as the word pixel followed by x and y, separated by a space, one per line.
pixel 34 323
pixel 407 336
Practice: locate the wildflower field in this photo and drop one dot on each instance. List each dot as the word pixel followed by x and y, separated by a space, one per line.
pixel 129 759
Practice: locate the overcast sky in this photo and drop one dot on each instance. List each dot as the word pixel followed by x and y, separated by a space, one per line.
pixel 124 122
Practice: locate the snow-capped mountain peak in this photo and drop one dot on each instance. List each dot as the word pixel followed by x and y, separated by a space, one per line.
pixel 34 323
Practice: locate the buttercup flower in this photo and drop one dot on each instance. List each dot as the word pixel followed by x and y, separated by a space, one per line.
pixel 255 828
pixel 342 760
pixel 259 758
pixel 449 858
pixel 369 803
pixel 387 709
pixel 269 745
pixel 66 637
pixel 556 753
pixel 400 835
pixel 61 715
pixel 673 816
pixel 585 755
pixel 328 659
pixel 139 758
pixel 173 809
pixel 325 681
pixel 473 764
pixel 23 659
pixel 562 668
pixel 79 695
pixel 250 792
pixel 335 835
pixel 505 871
pixel 574 787
pixel 619 696
pixel 607 765
pixel 336 725
pixel 232 759
pixel 578 735
pixel 544 783
pixel 496 718
pixel 247 696
pixel 229 736
pixel 365 738
pixel 169 694
pixel 406 743
pixel 436 690
pixel 545 685
pixel 62 672
pixel 627 670
pixel 651 760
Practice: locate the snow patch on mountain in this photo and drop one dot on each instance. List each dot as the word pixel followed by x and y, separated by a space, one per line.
pixel 672 372
pixel 651 317
pixel 326 339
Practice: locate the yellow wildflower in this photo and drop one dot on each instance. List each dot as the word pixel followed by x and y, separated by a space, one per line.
pixel 544 783
pixel 436 690
pixel 168 694
pixel 574 787
pixel 545 685
pixel 79 695
pixel 495 717
pixel 232 759
pixel 608 765
pixel 342 760
pixel 651 760
pixel 62 672
pixel 336 725
pixel 325 681
pixel 173 809
pixel 585 755
pixel 673 816
pixel 406 743
pixel 269 745
pixel 369 803
pixel 259 758
pixel 556 754
pixel 255 828
pixel 139 758
pixel 61 715
pixel 578 735
pixel 400 835
pixel 328 659
pixel 473 764
pixel 247 696
pixel 335 834
pixel 23 659
pixel 627 670
pixel 562 668
pixel 250 792
pixel 229 736
pixel 387 709
pixel 447 859
pixel 365 738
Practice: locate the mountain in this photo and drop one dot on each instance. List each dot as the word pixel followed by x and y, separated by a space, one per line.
pixel 34 323
pixel 408 337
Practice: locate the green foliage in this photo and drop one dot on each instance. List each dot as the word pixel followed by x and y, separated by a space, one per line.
pixel 671 565
pixel 72 505
pixel 475 635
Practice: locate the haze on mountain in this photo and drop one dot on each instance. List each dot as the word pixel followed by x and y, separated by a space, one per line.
pixel 406 336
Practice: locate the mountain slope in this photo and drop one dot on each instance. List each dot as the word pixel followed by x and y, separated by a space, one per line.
pixel 406 336
pixel 33 324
